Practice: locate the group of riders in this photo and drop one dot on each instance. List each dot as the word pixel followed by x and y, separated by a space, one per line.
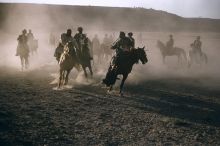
pixel 83 45
pixel 196 45
pixel 82 48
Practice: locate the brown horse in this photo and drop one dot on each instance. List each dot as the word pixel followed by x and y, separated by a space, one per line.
pixel 67 61
pixel 179 52
pixel 23 52
pixel 126 62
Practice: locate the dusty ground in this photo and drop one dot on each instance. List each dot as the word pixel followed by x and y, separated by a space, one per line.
pixel 175 111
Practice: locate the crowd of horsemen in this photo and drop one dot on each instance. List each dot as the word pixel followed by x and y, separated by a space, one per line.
pixel 83 44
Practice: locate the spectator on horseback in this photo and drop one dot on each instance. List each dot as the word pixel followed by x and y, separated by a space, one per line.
pixel 106 40
pixel 30 35
pixel 122 46
pixel 170 43
pixel 22 43
pixel 130 34
pixel 197 46
pixel 96 43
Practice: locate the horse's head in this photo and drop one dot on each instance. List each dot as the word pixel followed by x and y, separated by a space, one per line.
pixel 141 54
pixel 160 45
pixel 69 48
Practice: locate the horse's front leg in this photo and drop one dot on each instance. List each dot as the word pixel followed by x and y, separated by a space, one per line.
pixel 122 83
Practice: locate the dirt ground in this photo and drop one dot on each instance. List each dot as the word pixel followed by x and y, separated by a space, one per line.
pixel 169 111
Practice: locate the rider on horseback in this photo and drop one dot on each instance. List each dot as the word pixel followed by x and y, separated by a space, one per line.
pixel 122 47
pixel 22 43
pixel 30 35
pixel 197 46
pixel 170 43
pixel 81 39
pixel 130 34
pixel 65 38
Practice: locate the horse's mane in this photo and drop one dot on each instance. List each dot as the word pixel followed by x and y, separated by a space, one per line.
pixel 160 44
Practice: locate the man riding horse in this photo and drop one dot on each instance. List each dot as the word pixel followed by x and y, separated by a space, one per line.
pixel 130 36
pixel 81 39
pixel 22 43
pixel 197 46
pixel 170 43
pixel 122 63
pixel 122 47
pixel 23 49
pixel 65 38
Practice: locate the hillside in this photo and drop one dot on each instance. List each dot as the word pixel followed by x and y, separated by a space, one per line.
pixel 105 18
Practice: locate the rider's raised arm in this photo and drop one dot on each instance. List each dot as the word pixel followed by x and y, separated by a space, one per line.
pixel 115 45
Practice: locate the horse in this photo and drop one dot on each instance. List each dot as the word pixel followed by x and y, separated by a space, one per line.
pixel 85 59
pixel 179 52
pixel 68 60
pixel 33 45
pixel 23 52
pixel 126 62
pixel 196 57
pixel 107 52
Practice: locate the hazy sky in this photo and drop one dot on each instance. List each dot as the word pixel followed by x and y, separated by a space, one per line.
pixel 185 8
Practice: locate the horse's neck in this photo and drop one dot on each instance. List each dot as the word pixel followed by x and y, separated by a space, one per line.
pixel 133 58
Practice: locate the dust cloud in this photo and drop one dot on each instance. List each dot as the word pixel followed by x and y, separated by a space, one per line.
pixel 43 20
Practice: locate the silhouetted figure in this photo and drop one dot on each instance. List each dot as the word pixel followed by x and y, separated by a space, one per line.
pixel 22 42
pixel 23 49
pixel 65 38
pixel 32 42
pixel 197 46
pixel 122 45
pixel 80 39
pixel 170 43
pixel 130 36
pixel 96 47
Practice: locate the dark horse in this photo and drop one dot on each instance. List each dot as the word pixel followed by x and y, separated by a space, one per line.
pixel 85 58
pixel 23 52
pixel 126 62
pixel 67 61
pixel 179 52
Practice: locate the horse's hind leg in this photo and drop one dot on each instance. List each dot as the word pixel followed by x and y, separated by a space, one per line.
pixel 85 73
pixel 22 63
pixel 67 77
pixel 26 63
pixel 90 69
